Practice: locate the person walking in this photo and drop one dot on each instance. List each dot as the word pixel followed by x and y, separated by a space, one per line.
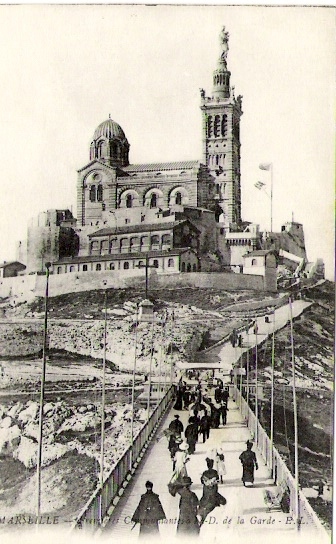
pixel 176 425
pixel 210 498
pixel 220 464
pixel 205 427
pixel 173 446
pixel 223 410
pixel 249 461
pixel 191 434
pixel 187 524
pixel 148 512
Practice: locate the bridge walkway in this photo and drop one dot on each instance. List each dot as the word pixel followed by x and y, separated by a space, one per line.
pixel 245 513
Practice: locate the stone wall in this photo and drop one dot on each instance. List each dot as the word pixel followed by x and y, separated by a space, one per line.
pixel 25 288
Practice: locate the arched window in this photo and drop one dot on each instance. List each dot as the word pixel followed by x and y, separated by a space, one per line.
pixel 100 150
pixel 209 126
pixel 194 267
pixel 135 243
pixel 140 263
pixel 178 198
pixel 156 263
pixel 126 265
pixel 254 262
pixel 188 267
pixel 99 193
pixel 170 263
pixel 217 126
pixel 144 243
pixel 98 267
pixel 217 160
pixel 153 201
pixel 72 268
pixel 84 267
pixel 224 125
pixel 124 245
pixel 183 267
pixel 93 193
pixel 129 201
pixel 94 246
pixel 166 239
pixel 59 270
pixel 155 240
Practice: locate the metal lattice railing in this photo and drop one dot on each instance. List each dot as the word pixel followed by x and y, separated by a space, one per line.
pixel 96 508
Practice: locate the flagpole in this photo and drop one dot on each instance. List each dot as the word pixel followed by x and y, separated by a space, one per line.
pixel 271 196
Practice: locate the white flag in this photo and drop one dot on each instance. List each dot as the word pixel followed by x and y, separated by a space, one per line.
pixel 265 165
pixel 259 184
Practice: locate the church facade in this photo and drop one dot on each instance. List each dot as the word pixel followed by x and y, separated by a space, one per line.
pixel 125 210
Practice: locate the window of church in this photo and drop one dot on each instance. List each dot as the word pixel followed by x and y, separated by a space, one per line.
pixel 135 243
pixel 140 263
pixel 84 267
pixel 144 243
pixel 100 150
pixel 124 244
pixel 129 201
pixel 189 267
pixel 254 262
pixel 155 240
pixel 183 267
pixel 166 239
pixel 98 267
pixel 72 268
pixel 59 270
pixel 170 263
pixel 209 126
pixel 104 246
pixel 217 160
pixel 224 125
pixel 217 126
pixel 99 193
pixel 178 198
pixel 156 263
pixel 194 267
pixel 112 266
pixel 94 245
pixel 153 201
pixel 92 193
pixel 126 265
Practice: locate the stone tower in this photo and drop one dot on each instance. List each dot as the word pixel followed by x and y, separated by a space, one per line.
pixel 221 138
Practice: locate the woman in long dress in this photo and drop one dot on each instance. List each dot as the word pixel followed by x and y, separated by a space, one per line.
pixel 249 461
pixel 210 498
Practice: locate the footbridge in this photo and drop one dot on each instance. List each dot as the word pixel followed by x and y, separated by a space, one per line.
pixel 249 513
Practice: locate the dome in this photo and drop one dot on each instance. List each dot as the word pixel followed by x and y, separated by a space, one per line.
pixel 109 129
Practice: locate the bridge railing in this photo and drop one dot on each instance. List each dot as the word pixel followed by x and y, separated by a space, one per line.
pixel 278 467
pixel 100 501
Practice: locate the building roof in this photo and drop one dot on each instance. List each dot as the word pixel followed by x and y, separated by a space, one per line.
pixel 143 227
pixel 181 165
pixel 8 263
pixel 109 129
pixel 258 253
pixel 124 256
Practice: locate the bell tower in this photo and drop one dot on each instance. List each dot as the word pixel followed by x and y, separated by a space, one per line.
pixel 221 114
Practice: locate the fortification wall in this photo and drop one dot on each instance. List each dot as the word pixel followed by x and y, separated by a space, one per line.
pixel 25 288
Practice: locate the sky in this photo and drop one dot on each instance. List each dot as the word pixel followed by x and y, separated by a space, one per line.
pixel 65 68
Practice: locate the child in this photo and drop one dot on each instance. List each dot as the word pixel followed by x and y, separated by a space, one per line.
pixel 220 464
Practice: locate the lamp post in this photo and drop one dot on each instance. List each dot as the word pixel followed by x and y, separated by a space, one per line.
pixel 133 384
pixel 44 362
pixel 103 392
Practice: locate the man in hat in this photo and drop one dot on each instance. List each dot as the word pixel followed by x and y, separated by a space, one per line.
pixel 148 512
pixel 176 425
pixel 249 461
pixel 187 523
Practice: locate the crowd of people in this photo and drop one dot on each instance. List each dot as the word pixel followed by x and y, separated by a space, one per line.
pixel 205 413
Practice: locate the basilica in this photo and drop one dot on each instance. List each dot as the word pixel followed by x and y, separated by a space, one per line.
pixel 182 216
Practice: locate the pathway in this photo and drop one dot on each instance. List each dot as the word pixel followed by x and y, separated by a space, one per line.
pixel 245 515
